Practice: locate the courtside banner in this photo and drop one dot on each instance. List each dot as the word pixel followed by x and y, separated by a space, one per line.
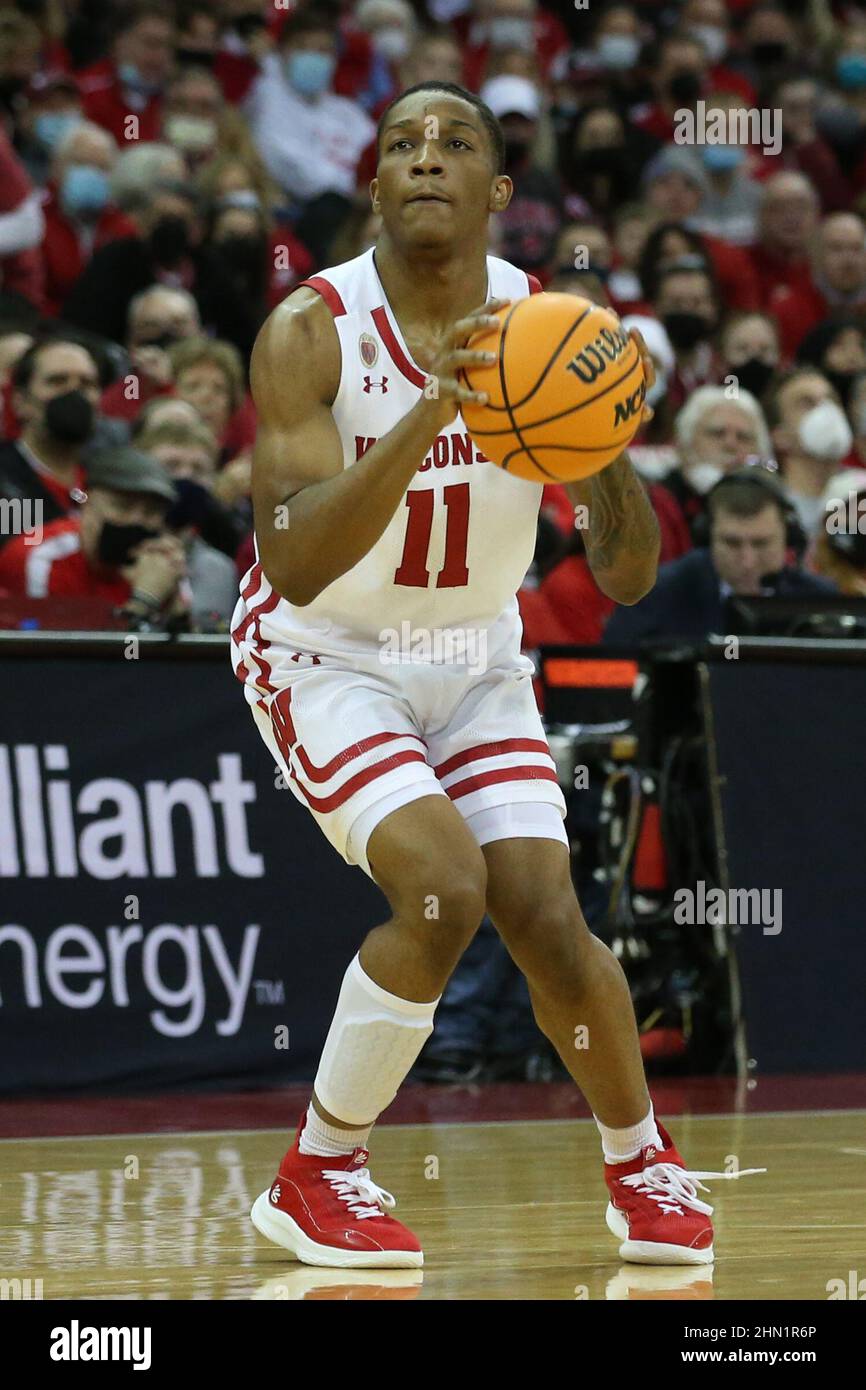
pixel 790 744
pixel 168 911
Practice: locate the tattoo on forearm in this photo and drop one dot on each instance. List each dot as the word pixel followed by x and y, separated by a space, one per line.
pixel 622 523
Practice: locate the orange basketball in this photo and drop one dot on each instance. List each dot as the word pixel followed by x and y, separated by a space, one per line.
pixel 566 394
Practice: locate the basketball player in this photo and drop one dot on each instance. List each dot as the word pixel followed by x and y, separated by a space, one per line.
pixel 375 515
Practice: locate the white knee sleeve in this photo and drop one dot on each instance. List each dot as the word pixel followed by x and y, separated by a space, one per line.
pixel 372 1043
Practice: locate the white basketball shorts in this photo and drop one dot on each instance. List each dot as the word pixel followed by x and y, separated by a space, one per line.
pixel 356 738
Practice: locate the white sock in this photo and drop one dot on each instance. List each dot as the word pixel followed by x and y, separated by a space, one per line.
pixel 620 1145
pixel 372 1043
pixel 329 1140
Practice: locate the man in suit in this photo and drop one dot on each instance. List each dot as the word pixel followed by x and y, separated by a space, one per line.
pixel 748 553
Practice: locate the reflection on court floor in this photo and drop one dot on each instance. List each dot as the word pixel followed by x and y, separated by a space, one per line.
pixel 509 1210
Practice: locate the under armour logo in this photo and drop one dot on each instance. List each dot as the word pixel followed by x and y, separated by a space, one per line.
pixel 380 385
pixel 275 1193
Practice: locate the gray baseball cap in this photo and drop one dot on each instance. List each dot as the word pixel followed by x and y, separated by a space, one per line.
pixel 125 469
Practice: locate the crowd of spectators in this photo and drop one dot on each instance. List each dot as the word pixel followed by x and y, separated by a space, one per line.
pixel 170 171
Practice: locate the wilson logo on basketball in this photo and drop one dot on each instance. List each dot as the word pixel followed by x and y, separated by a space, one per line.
pixel 592 359
pixel 631 406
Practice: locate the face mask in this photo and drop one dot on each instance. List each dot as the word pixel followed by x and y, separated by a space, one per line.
pixel 851 71
pixel 767 55
pixel 714 40
pixel 685 88
pixel 116 543
pixel 310 73
pixel 618 51
pixel 511 32
pixel 244 253
pixel 392 42
pixel 824 433
pixel 131 77
pixel 69 417
pixel 191 134
pixel 722 159
pixel 192 506
pixel 703 476
pixel 605 159
pixel 51 126
pixel 194 57
pixel 686 330
pixel 169 240
pixel 84 190
pixel 753 375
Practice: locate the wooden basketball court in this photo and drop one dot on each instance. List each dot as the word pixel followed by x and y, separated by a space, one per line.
pixel 506 1210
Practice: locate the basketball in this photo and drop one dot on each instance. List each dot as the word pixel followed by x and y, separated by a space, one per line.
pixel 565 395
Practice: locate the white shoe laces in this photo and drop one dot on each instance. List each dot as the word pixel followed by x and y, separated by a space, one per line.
pixel 358 1188
pixel 674 1187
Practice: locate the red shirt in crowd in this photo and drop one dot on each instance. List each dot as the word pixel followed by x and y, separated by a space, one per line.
pixel 65 250
pixel 797 311
pixel 104 101
pixel 774 272
pixel 285 246
pixel 22 271
pixel 117 403
pixel 567 606
pixel 56 567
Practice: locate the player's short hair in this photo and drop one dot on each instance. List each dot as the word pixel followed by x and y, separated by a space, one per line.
pixel 491 124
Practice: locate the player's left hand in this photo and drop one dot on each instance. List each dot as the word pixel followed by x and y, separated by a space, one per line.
pixel 649 371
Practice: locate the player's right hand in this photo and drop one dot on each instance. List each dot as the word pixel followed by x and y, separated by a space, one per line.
pixel 444 391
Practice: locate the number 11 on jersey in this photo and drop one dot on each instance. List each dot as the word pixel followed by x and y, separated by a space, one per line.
pixel 412 569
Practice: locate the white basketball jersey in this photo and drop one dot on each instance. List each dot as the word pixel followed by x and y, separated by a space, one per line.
pixel 457 548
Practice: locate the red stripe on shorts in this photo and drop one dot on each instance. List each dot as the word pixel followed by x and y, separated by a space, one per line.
pixel 500 774
pixel 330 803
pixel 491 750
pixel 287 739
pixel 321 774
pixel 246 622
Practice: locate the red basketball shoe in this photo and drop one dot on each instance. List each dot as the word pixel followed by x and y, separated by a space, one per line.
pixel 655 1209
pixel 328 1211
